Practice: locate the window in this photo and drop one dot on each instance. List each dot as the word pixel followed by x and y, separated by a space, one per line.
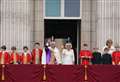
pixel 52 8
pixel 72 8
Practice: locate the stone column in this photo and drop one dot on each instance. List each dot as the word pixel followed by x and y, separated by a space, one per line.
pixel 86 23
pixel 16 23
pixel 93 24
pixel 38 22
pixel 108 24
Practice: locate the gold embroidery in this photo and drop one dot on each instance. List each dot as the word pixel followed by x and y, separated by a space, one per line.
pixel 37 57
pixel 25 58
pixel 14 59
pixel 2 58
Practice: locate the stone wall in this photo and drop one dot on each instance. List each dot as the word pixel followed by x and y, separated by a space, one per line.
pixel 108 21
pixel 100 21
pixel 86 23
pixel 16 23
pixel 21 23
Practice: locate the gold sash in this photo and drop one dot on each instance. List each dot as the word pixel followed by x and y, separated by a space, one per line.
pixel 52 59
pixel 2 59
pixel 14 58
pixel 37 59
pixel 25 58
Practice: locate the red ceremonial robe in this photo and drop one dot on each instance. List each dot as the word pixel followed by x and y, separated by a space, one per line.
pixel 14 58
pixel 116 57
pixel 39 55
pixel 25 58
pixel 85 56
pixel 4 57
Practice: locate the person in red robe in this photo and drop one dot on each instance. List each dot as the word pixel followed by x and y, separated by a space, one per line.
pixel 4 56
pixel 26 57
pixel 85 56
pixel 14 56
pixel 116 56
pixel 37 54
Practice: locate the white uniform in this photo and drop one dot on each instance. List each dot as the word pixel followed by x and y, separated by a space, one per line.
pixel 68 57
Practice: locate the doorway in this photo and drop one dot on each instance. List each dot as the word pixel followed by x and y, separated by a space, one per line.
pixel 64 29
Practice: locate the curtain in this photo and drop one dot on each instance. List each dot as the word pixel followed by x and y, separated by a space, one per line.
pixel 23 73
pixel 60 73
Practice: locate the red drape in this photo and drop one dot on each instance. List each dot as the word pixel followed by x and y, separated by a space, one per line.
pixel 60 73
pixel 65 73
pixel 23 73
pixel 104 73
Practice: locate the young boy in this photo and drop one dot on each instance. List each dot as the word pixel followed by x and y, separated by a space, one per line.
pixel 116 56
pixel 106 57
pixel 37 54
pixel 85 55
pixel 14 56
pixel 26 57
pixel 4 56
pixel 96 57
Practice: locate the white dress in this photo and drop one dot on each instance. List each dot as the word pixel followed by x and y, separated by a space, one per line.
pixel 68 57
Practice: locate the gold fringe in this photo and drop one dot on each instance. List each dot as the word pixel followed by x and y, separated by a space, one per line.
pixel 44 76
pixel 3 78
pixel 3 74
pixel 86 75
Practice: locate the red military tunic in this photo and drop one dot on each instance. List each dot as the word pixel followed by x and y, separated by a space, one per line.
pixel 85 55
pixel 116 57
pixel 14 58
pixel 4 57
pixel 37 56
pixel 25 58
